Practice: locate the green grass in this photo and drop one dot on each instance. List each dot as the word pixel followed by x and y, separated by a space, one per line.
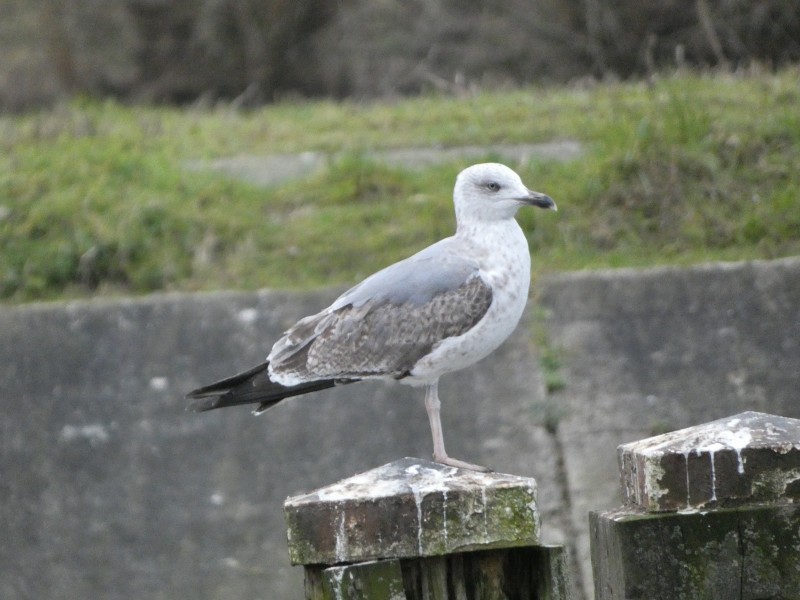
pixel 94 199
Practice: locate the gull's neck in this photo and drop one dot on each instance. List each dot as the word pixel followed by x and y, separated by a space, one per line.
pixel 477 228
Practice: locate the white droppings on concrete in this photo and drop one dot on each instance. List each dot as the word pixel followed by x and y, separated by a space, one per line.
pixel 424 481
pixel 711 438
pixel 341 537
pixel 217 499
pixel 691 510
pixel 692 438
pixel 360 486
pixel 94 433
pixel 247 315
pixel 653 473
pixel 725 439
pixel 688 489
pixel 338 577
pixel 418 498
pixel 532 504
pixel 159 384
pixel 737 439
pixel 711 452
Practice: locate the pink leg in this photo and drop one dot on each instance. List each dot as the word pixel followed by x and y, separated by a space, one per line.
pixel 432 405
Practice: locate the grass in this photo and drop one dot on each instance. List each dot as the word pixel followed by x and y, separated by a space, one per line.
pixel 689 168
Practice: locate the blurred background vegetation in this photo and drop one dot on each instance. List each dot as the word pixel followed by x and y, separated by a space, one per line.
pixel 259 50
pixel 687 111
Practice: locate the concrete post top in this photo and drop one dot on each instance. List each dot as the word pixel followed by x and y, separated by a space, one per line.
pixel 409 476
pixel 747 458
pixel 411 508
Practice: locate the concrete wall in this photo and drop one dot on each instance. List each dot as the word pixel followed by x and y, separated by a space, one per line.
pixel 646 352
pixel 109 489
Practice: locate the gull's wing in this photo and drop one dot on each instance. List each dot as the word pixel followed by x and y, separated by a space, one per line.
pixel 384 325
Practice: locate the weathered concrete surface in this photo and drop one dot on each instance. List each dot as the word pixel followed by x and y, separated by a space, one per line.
pixel 747 458
pixel 645 352
pixel 109 489
pixel 275 169
pixel 744 552
pixel 411 508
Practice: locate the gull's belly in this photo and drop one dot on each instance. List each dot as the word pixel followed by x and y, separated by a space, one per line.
pixel 510 284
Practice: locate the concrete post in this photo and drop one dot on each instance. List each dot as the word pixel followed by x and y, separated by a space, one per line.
pixel 711 512
pixel 415 530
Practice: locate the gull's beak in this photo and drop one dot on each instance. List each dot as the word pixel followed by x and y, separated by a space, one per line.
pixel 540 200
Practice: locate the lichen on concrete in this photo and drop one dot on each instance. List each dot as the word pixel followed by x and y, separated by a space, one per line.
pixel 742 552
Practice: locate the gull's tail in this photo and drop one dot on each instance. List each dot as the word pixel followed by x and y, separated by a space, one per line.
pixel 251 387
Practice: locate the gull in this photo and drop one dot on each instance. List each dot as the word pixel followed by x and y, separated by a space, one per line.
pixel 438 311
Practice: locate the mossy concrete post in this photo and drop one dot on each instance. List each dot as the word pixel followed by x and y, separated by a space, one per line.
pixel 712 512
pixel 414 530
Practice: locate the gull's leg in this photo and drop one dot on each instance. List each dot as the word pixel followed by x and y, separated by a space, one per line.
pixel 432 405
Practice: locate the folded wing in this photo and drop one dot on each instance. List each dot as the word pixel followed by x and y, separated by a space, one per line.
pixel 384 325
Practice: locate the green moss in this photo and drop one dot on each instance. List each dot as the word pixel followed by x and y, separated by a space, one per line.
pixel 518 521
pixel 747 551
pixel 550 362
pixel 379 579
pixel 548 411
pixel 659 426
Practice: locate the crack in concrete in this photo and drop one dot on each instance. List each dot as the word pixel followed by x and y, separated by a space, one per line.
pixel 569 524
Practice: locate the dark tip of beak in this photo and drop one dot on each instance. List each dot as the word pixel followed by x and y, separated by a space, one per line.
pixel 541 200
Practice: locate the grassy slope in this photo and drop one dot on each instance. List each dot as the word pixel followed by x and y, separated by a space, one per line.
pixel 93 198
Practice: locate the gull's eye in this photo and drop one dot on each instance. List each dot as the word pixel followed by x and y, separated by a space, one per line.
pixel 493 186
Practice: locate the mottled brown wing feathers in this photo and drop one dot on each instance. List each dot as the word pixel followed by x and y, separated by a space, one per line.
pixel 380 338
